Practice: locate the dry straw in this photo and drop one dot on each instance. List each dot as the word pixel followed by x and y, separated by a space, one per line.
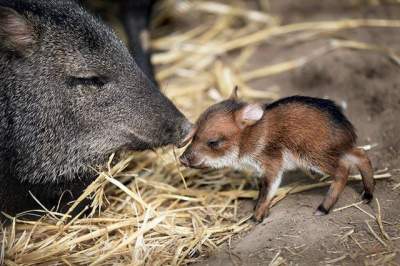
pixel 146 209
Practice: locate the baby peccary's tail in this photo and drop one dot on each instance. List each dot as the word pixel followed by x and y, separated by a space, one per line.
pixel 359 158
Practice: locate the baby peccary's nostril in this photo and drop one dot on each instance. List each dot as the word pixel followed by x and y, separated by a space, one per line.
pixel 184 161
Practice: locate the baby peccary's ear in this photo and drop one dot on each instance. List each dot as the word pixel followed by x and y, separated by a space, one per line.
pixel 249 115
pixel 16 32
pixel 234 94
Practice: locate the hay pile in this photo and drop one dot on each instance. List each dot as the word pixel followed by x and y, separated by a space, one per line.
pixel 146 209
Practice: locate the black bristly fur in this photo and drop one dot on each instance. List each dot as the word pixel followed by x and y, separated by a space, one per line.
pixel 52 134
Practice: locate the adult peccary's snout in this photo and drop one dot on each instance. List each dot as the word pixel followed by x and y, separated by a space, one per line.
pixel 159 124
pixel 70 95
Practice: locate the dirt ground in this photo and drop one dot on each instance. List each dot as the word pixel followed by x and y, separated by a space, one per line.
pixel 368 85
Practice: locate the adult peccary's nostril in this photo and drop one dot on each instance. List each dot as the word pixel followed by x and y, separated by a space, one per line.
pixel 186 128
pixel 188 131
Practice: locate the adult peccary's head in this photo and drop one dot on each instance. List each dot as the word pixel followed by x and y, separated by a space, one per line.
pixel 71 93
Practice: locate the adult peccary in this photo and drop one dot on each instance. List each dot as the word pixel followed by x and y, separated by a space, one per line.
pixel 70 94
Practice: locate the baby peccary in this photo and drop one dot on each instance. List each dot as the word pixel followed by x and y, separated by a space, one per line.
pixel 295 132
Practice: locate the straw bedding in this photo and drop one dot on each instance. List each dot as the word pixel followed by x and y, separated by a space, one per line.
pixel 145 208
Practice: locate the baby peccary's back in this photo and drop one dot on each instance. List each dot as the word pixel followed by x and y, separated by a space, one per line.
pixel 312 129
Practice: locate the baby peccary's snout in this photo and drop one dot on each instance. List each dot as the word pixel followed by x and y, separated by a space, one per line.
pixel 190 159
pixel 186 158
pixel 184 161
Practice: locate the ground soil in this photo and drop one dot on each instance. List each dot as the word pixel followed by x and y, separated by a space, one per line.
pixel 368 85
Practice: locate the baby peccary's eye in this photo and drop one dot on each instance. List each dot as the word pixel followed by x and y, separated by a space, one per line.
pixel 214 143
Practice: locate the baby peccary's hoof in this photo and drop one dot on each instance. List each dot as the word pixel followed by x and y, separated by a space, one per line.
pixel 367 197
pixel 321 211
pixel 258 219
pixel 259 216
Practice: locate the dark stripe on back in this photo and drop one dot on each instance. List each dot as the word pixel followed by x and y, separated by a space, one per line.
pixel 327 106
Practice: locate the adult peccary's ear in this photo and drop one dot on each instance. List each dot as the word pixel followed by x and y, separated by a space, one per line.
pixel 16 32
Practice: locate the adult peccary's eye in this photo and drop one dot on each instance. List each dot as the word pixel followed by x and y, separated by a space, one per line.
pixel 87 81
pixel 214 143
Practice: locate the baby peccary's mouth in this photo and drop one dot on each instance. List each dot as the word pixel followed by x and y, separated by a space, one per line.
pixel 184 161
pixel 199 165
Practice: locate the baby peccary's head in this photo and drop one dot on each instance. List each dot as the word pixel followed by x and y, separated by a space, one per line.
pixel 217 134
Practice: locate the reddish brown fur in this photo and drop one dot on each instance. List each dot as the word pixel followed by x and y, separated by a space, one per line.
pixel 294 132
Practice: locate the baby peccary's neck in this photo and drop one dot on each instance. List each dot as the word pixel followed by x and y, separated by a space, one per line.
pixel 252 149
pixel 250 163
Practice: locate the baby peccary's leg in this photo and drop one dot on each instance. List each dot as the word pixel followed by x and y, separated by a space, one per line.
pixel 340 176
pixel 269 185
pixel 359 158
pixel 263 192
